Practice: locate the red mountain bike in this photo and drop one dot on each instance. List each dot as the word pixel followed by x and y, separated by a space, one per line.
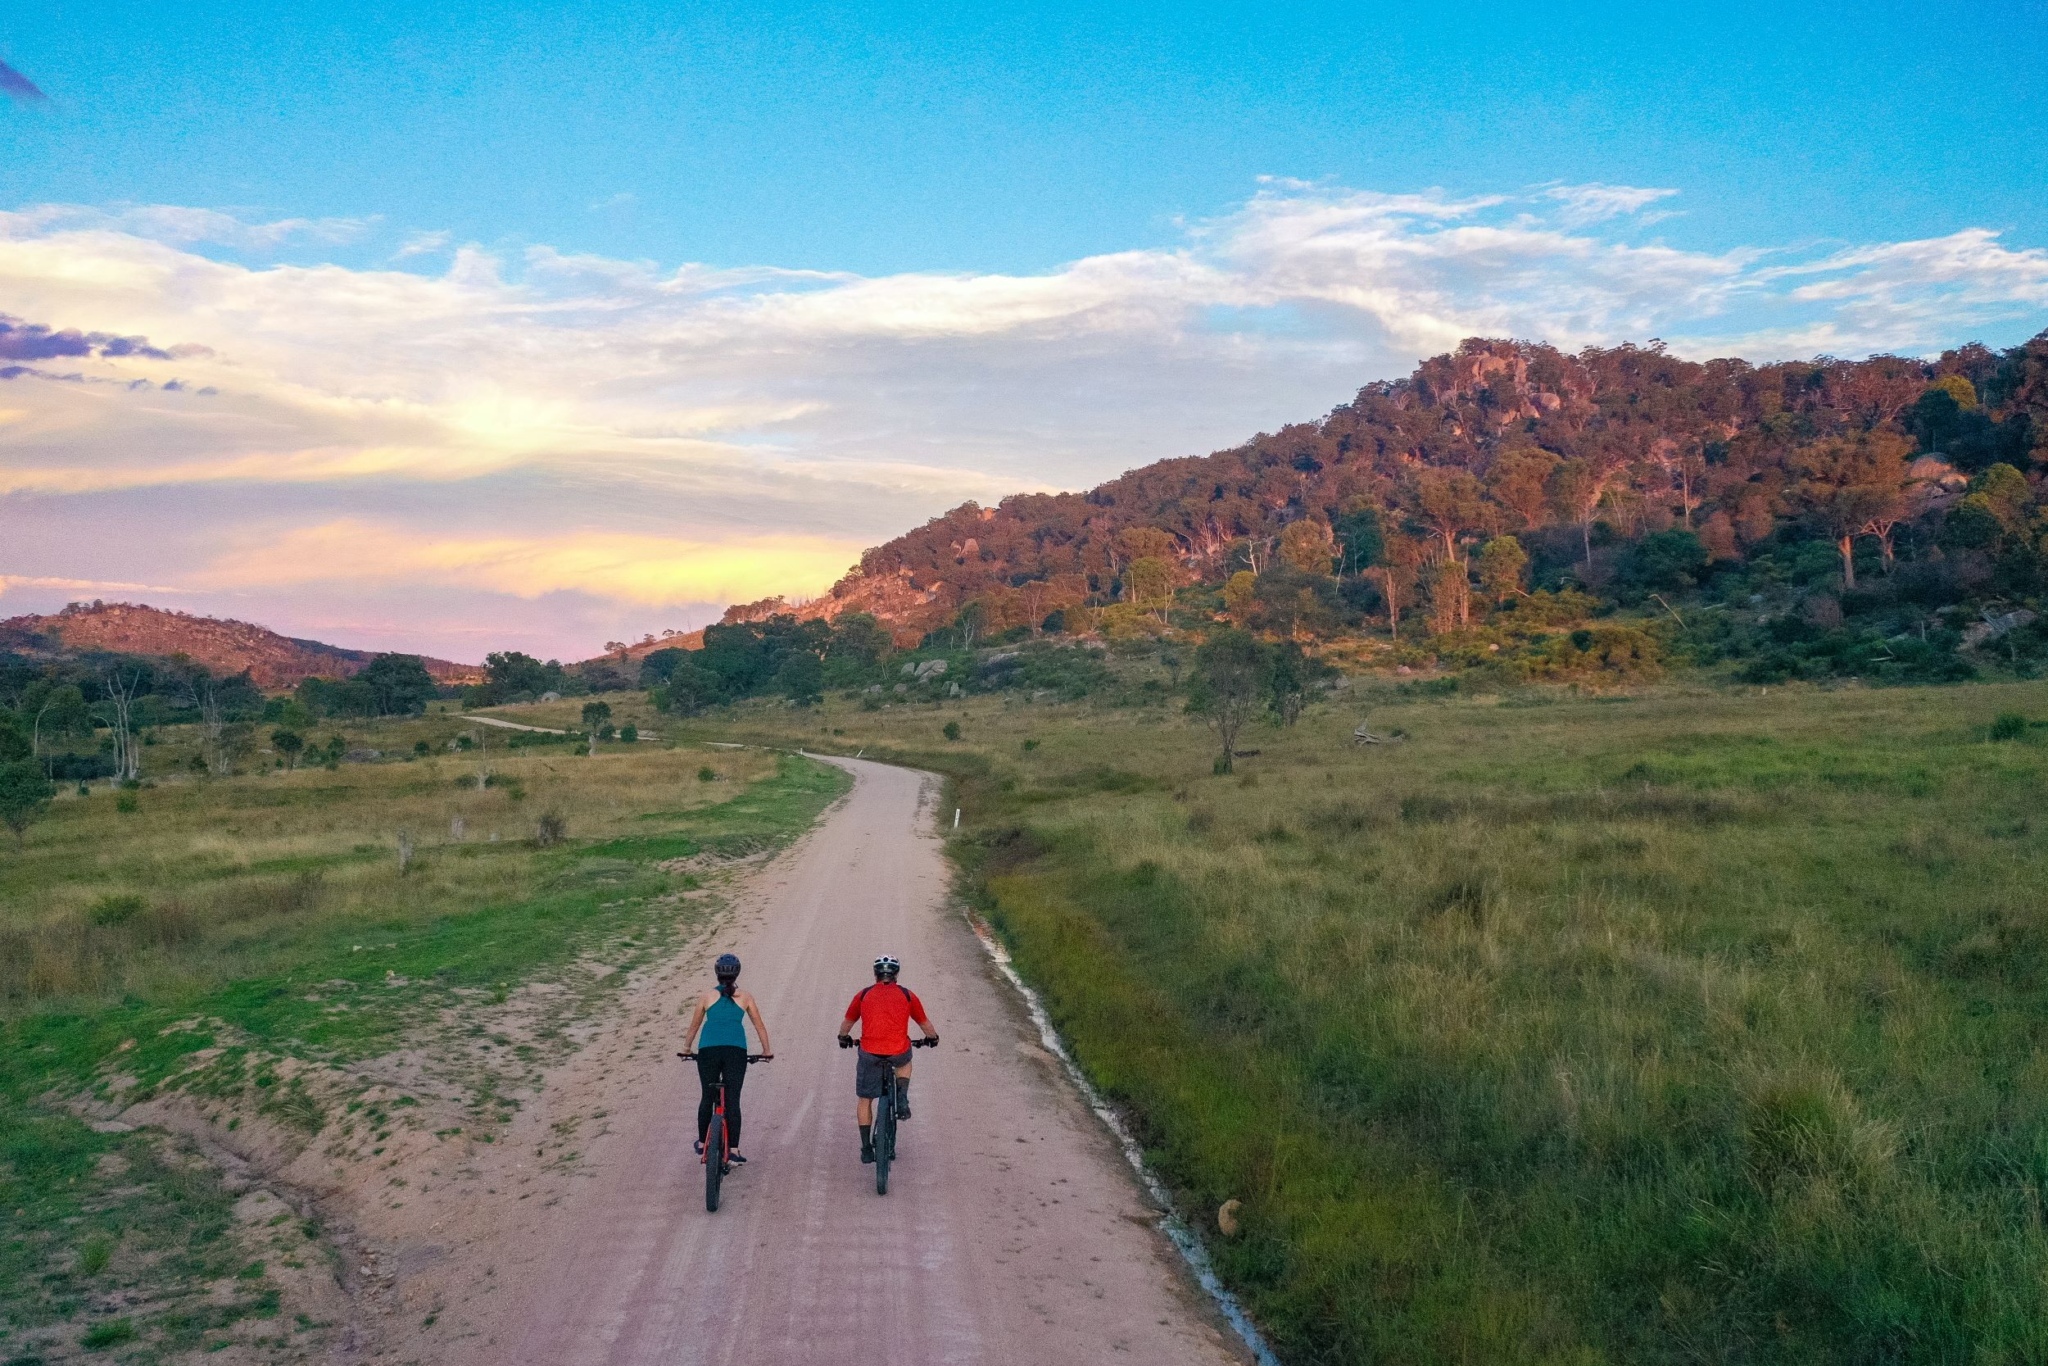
pixel 716 1159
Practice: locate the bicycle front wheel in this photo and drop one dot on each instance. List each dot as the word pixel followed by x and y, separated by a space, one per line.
pixel 714 1161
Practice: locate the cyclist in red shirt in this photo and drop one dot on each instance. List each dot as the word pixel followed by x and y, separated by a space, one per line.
pixel 883 1012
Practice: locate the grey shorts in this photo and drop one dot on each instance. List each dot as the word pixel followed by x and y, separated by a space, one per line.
pixel 871 1074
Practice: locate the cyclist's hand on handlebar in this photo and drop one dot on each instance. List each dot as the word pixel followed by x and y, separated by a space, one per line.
pixel 846 1040
pixel 928 1041
pixel 688 1057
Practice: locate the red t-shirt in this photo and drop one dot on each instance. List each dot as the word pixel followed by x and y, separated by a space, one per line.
pixel 885 1011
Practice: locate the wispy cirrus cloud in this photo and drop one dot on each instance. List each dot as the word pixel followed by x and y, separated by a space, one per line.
pixel 723 425
pixel 423 244
pixel 179 225
pixel 1584 204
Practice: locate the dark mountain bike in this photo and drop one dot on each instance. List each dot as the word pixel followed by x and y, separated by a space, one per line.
pixel 885 1125
pixel 717 1152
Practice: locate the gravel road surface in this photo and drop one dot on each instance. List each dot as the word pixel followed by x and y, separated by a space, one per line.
pixel 1012 1232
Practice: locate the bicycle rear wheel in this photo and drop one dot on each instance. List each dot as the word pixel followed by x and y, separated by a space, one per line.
pixel 714 1161
pixel 885 1140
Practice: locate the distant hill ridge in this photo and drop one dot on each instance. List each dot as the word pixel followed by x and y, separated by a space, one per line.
pixel 1549 441
pixel 221 644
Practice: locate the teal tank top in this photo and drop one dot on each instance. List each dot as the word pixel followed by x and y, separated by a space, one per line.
pixel 725 1025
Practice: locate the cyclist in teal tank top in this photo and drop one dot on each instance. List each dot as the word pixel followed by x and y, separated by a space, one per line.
pixel 718 1036
pixel 725 1024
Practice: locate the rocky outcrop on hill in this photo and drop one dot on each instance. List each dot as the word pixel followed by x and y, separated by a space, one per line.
pixel 223 645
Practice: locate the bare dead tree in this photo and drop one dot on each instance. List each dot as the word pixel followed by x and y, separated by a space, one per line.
pixel 213 726
pixel 123 686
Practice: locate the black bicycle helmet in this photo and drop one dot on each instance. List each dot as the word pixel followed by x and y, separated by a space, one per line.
pixel 728 965
pixel 887 965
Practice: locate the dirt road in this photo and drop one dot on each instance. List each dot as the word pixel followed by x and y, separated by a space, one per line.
pixel 1012 1233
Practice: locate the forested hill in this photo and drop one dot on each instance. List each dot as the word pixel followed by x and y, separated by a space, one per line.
pixel 221 644
pixel 1579 457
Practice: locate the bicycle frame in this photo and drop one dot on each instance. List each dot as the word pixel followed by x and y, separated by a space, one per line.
pixel 884 1130
pixel 716 1171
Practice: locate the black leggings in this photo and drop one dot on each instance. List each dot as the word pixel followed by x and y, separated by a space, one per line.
pixel 729 1063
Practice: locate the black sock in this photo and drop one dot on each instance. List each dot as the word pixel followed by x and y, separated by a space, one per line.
pixel 867 1136
pixel 902 1093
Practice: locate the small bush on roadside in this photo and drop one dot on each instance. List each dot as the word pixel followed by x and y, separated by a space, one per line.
pixel 94 1255
pixel 111 1333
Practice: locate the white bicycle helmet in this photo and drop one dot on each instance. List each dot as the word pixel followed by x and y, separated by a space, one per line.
pixel 888 965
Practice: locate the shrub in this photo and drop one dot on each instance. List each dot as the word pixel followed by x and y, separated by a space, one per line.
pixel 24 796
pixel 2009 726
pixel 95 1254
pixel 112 1333
pixel 951 730
pixel 118 909
pixel 707 774
pixel 551 830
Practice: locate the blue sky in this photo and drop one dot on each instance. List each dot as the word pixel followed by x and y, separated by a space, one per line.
pixel 965 137
pixel 470 327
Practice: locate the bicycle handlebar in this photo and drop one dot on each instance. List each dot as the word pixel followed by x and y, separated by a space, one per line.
pixel 751 1057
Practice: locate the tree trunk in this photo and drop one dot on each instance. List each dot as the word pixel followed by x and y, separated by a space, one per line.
pixel 1847 545
pixel 121 701
pixel 214 726
pixel 1226 728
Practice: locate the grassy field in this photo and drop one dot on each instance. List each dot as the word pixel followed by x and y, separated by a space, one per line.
pixel 1687 1026
pixel 248 944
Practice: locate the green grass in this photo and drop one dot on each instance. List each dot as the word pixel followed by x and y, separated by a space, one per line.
pixel 265 920
pixel 1709 1026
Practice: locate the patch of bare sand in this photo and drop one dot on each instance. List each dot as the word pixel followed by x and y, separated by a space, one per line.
pixel 366 1227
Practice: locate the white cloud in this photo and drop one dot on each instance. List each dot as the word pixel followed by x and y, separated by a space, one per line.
pixel 423 244
pixel 182 226
pixel 1596 203
pixel 706 406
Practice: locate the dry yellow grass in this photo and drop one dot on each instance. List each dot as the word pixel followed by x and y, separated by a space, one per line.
pixel 202 876
pixel 1689 1024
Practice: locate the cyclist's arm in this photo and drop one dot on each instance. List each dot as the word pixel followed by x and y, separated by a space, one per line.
pixel 846 1025
pixel 760 1025
pixel 696 1023
pixel 924 1024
